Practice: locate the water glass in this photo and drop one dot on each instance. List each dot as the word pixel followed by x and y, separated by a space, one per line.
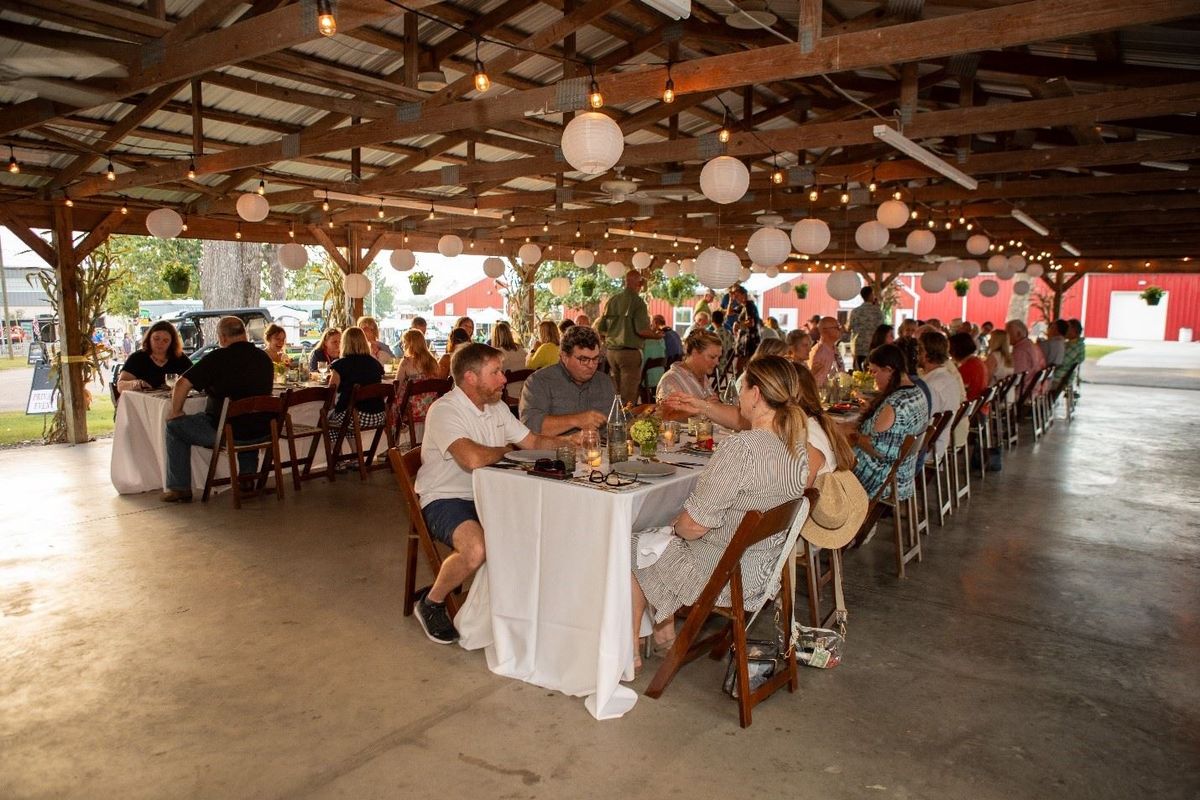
pixel 670 433
pixel 566 454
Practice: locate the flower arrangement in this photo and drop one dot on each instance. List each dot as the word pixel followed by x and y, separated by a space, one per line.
pixel 177 277
pixel 645 433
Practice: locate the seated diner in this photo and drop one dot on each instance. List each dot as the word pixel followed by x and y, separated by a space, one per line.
pixel 160 355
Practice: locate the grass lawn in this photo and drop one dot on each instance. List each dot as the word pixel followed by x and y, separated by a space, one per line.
pixel 16 426
pixel 12 363
pixel 1095 351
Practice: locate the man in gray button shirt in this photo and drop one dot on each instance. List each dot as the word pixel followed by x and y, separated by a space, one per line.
pixel 569 395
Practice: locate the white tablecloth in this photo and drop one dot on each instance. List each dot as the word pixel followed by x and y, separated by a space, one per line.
pixel 139 453
pixel 552 604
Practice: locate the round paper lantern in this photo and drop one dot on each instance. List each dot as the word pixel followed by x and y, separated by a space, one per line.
pixel 997 263
pixel 1016 263
pixel 670 270
pixel 1035 271
pixel 772 272
pixel 892 214
pixel 1005 274
pixel 718 268
pixel 724 180
pixel 843 285
pixel 642 260
pixel 584 258
pixel 810 236
pixel 871 236
pixel 356 285
pixel 754 267
pixel 164 223
pixel 688 266
pixel 493 267
pixel 970 268
pixel 403 260
pixel 450 245
pixel 951 269
pixel 529 254
pixel 1021 287
pixel 253 207
pixel 744 274
pixel 769 247
pixel 560 286
pixel 921 242
pixel 592 142
pixel 932 281
pixel 978 244
pixel 989 288
pixel 292 256
pixel 614 269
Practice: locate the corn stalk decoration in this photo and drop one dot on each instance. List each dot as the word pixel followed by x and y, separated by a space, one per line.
pixel 333 306
pixel 97 274
pixel 520 285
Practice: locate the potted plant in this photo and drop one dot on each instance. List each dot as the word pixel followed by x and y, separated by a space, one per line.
pixel 961 287
pixel 1152 294
pixel 419 281
pixel 177 276
pixel 801 290
pixel 587 285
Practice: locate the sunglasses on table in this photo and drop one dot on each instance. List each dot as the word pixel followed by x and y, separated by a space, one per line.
pixel 550 465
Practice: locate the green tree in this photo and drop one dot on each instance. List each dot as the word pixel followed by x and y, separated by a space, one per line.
pixel 138 260
pixel 382 300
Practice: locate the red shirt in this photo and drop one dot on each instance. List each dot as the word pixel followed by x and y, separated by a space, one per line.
pixel 974 376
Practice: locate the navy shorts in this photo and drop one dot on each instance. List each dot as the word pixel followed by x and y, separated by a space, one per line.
pixel 443 517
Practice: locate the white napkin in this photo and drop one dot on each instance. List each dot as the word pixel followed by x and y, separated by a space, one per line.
pixel 651 543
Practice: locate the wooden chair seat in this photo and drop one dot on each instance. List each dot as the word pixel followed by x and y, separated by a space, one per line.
pixel 404 467
pixel 351 428
pixel 230 411
pixel 319 433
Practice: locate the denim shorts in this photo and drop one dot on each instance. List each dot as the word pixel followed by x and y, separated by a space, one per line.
pixel 443 517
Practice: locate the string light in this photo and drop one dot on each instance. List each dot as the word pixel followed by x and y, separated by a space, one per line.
pixel 606 234
pixel 431 212
pixel 962 220
pixel 777 175
pixel 675 243
pixel 475 209
pixel 262 186
pixel 896 195
pixel 111 173
pixel 501 240
pixel 185 225
pixel 326 24
pixel 482 81
pixel 406 238
pixel 595 99
pixel 948 225
pixel 191 166
pixel 238 233
pixel 67 201
pixel 723 134
pixel 813 195
pixel 846 195
pixel 13 166
pixel 546 226
pixel 331 222
pixel 931 223
pixel 380 212
pixel 325 202
pixel 970 226
pixel 512 216
pixel 292 231
pixel 668 95
pixel 872 186
pixel 578 233
pixel 368 226
pixel 124 206
pixel 913 214
pixel 471 243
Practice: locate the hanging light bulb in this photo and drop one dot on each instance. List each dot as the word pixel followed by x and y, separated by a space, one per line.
pixel 813 195
pixel 368 226
pixel 379 213
pixel 931 223
pixel 526 240
pixel 432 215
pixel 512 216
pixel 578 233
pixel 13 166
pixel 723 134
pixel 111 173
pixel 292 231
pixel 846 196
pixel 970 226
pixel 668 96
pixel 326 24
pixel 262 186
pixel 546 226
pixel 949 225
pixel 606 234
pixel 68 202
pixel 872 186
pixel 471 243
pixel 325 202
pixel 331 222
pixel 238 233
pixel 475 209
pixel 191 167
pixel 482 81
pixel 675 243
pixel 777 175
pixel 501 240
pixel 124 206
pixel 406 238
pixel 962 220
pixel 185 225
pixel 595 99
pixel 896 195
pixel 913 214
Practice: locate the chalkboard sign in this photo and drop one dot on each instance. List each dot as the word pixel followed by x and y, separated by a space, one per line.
pixel 36 354
pixel 43 397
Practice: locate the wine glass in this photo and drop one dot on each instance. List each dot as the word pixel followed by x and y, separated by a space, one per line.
pixel 323 370
pixel 171 379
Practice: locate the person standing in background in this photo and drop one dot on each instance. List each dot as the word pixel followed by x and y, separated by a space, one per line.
pixel 626 326
pixel 864 320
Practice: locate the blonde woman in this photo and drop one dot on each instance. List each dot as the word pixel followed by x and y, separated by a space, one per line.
pixel 380 351
pixel 545 354
pixel 511 355
pixel 999 359
pixel 356 367
pixel 417 364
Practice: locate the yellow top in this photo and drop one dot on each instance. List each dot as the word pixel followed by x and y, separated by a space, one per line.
pixel 545 356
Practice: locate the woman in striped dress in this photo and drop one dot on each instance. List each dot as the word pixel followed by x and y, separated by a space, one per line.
pixel 755 469
pixel 702 353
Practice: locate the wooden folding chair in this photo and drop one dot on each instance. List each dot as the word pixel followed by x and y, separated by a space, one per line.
pixel 352 428
pixel 232 410
pixel 754 528
pixel 512 376
pixel 936 465
pixel 1007 396
pixel 981 428
pixel 404 467
pixel 645 390
pixel 412 389
pixel 319 433
pixel 907 537
pixel 961 482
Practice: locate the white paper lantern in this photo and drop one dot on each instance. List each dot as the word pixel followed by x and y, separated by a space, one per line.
pixel 614 269
pixel 592 142
pixel 560 286
pixel 1035 270
pixel 724 180
pixel 769 247
pixel 670 270
pixel 921 242
pixel 450 245
pixel 772 272
pixel 871 236
pixel 810 236
pixel 688 266
pixel 932 281
pixel 253 207
pixel 1016 263
pixel 989 288
pixel 584 258
pixel 1021 287
pixel 292 256
pixel 529 254
pixel 744 274
pixel 356 285
pixel 403 260
pixel 642 260
pixel 493 267
pixel 1005 274
pixel 164 223
pixel 997 263
pixel 843 285
pixel 892 214
pixel 978 244
pixel 718 268
pixel 951 269
pixel 757 267
pixel 970 268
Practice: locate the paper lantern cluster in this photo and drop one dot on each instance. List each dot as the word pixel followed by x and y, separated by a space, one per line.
pixel 724 180
pixel 292 256
pixel 592 142
pixel 989 287
pixel 356 285
pixel 403 260
pixel 718 268
pixel 164 223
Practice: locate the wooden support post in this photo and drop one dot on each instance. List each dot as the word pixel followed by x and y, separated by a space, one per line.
pixel 412 49
pixel 70 353
pixel 908 92
pixel 809 24
pixel 356 156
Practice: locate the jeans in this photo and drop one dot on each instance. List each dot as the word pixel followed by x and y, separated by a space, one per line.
pixel 194 429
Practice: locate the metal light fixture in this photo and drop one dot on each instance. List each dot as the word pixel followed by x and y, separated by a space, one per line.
pixel 482 81
pixel 13 166
pixel 668 95
pixel 595 99
pixel 1029 222
pixel 913 150
pixel 111 173
pixel 191 167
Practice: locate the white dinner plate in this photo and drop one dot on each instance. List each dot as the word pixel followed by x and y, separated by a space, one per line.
pixel 529 456
pixel 645 469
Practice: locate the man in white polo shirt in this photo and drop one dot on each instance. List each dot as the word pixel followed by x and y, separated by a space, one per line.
pixel 468 428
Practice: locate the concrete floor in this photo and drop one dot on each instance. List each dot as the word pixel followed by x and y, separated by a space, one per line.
pixel 1047 647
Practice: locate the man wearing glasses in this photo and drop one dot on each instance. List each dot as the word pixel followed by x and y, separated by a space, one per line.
pixel 572 394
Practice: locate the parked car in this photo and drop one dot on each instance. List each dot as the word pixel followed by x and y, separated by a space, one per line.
pixel 198 329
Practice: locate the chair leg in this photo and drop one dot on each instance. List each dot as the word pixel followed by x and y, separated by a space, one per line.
pixel 212 473
pixel 812 568
pixel 278 461
pixel 235 482
pixel 410 573
pixel 293 457
pixel 358 451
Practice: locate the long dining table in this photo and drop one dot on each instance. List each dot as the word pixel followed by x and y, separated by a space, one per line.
pixel 552 606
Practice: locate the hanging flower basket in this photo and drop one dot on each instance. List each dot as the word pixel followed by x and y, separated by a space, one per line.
pixel 1152 295
pixel 801 290
pixel 961 287
pixel 419 281
pixel 177 277
pixel 587 285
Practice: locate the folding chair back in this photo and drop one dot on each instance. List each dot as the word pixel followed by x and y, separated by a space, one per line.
pixel 412 389
pixel 405 466
pixel 352 427
pixel 232 410
pixel 517 376
pixel 755 527
pixel 645 390
pixel 937 424
pixel 319 433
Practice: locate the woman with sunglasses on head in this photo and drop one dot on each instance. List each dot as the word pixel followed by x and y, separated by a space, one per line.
pixel 755 469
